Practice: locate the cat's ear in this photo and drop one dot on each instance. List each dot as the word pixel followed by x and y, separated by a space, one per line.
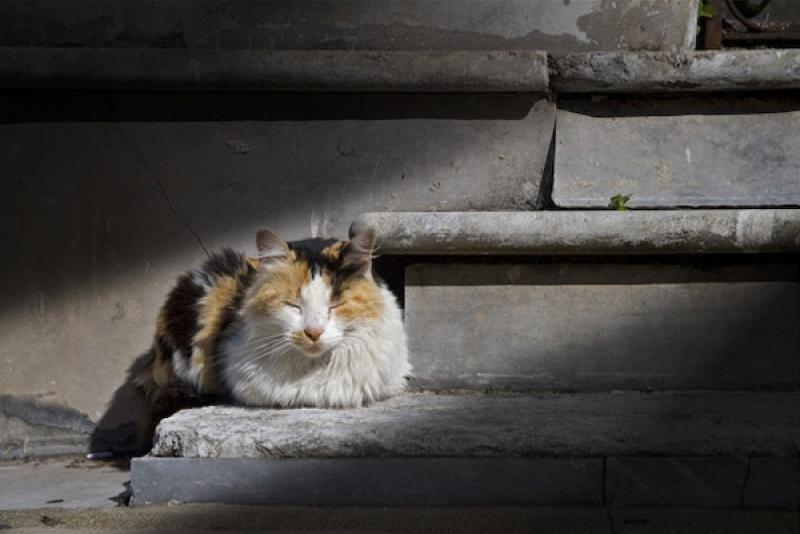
pixel 357 253
pixel 270 246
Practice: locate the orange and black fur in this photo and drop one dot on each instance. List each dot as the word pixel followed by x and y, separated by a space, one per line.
pixel 302 324
pixel 227 274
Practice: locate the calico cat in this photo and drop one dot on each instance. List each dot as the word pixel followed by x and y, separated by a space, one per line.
pixel 302 324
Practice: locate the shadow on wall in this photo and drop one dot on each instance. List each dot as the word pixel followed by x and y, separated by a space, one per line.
pixel 127 426
pixel 111 196
pixel 129 422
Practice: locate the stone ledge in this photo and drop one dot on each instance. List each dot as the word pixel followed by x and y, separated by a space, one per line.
pixel 368 481
pixel 398 71
pixel 705 482
pixel 670 481
pixel 429 425
pixel 287 70
pixel 649 72
pixel 585 232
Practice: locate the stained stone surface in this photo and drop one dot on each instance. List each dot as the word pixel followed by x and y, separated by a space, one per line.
pixel 596 325
pixel 428 425
pixel 650 72
pixel 351 24
pixel 32 427
pixel 678 152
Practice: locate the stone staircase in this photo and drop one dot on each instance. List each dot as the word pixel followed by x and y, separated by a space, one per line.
pixel 563 353
pixel 638 358
pixel 574 355
pixel 623 358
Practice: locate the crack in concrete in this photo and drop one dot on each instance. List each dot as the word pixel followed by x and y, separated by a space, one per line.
pixel 611 525
pixel 161 188
pixel 745 482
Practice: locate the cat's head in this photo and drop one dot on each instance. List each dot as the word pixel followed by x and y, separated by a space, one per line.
pixel 311 294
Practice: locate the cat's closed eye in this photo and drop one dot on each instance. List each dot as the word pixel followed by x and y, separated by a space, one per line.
pixel 294 305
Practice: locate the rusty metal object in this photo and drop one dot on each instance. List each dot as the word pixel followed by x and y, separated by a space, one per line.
pixel 736 24
pixel 712 33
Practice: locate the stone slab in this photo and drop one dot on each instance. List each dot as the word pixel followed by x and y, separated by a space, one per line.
pixel 773 483
pixel 597 325
pixel 368 482
pixel 703 482
pixel 495 426
pixel 61 483
pixel 352 24
pixel 33 427
pixel 651 72
pixel 128 199
pixel 678 153
pixel 287 70
pixel 557 233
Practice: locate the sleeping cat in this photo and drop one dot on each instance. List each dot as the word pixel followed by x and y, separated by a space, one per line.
pixel 303 324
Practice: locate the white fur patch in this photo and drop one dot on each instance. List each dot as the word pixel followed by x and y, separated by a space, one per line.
pixel 201 280
pixel 315 297
pixel 181 366
pixel 362 363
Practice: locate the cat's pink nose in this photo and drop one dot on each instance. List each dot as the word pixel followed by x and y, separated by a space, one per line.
pixel 313 332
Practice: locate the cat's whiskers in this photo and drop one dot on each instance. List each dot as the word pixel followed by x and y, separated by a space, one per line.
pixel 266 341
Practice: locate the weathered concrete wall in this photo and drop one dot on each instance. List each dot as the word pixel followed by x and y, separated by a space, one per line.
pixel 579 25
pixel 100 215
pixel 595 326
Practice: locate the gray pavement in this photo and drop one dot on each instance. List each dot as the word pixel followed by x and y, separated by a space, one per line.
pixel 509 519
pixel 73 495
pixel 60 483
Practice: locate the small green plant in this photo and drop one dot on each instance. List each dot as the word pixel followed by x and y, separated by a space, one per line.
pixel 618 202
pixel 706 10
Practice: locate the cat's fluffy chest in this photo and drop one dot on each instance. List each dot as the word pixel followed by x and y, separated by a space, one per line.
pixel 370 364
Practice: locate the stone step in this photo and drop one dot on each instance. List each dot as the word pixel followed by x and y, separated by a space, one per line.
pixel 595 232
pixel 678 152
pixel 474 425
pixel 266 70
pixel 653 72
pixel 517 69
pixel 723 324
pixel 718 322
pixel 619 449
